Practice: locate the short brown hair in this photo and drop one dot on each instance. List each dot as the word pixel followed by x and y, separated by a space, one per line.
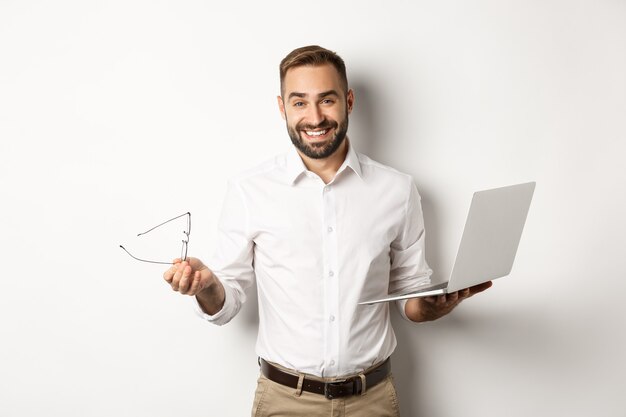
pixel 313 55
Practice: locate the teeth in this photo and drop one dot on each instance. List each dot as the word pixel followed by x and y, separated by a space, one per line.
pixel 320 133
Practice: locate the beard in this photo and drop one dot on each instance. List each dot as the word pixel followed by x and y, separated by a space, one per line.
pixel 319 150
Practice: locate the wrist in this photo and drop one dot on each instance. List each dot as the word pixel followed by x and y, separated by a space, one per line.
pixel 413 310
pixel 212 297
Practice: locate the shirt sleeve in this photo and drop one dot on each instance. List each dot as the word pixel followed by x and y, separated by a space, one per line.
pixel 409 269
pixel 232 261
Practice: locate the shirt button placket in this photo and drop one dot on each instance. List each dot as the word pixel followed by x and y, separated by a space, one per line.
pixel 331 286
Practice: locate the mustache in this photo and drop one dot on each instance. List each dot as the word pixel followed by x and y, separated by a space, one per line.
pixel 324 124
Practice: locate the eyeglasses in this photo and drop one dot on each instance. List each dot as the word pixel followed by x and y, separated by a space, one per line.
pixel 183 251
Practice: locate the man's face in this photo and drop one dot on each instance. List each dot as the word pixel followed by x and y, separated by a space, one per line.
pixel 315 109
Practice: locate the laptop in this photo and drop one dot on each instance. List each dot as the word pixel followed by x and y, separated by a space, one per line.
pixel 489 243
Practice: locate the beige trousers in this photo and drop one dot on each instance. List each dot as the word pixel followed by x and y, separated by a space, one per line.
pixel 275 400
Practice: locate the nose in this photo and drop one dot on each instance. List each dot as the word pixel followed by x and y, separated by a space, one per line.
pixel 314 115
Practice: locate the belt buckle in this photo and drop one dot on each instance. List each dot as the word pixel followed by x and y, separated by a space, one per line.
pixel 327 389
pixel 327 393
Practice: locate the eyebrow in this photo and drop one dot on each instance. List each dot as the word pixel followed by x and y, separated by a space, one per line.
pixel 320 95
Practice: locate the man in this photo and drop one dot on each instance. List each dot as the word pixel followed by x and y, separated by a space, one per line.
pixel 319 229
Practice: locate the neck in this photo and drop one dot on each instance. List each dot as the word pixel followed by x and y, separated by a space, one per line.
pixel 326 168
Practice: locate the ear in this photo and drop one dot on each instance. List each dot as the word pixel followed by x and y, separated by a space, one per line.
pixel 281 107
pixel 350 100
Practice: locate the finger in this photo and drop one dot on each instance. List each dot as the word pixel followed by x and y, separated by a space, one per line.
pixel 185 280
pixel 442 299
pixel 480 287
pixel 178 276
pixel 430 299
pixel 464 293
pixel 195 284
pixel 453 297
pixel 168 275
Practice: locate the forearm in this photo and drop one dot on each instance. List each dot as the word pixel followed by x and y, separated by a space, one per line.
pixel 211 299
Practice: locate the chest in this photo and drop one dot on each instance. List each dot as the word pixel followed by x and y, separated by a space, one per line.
pixel 351 217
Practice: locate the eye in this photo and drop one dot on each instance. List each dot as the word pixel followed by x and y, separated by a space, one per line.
pixel 327 101
pixel 298 104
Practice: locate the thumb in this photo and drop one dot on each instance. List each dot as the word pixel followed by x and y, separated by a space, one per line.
pixel 195 263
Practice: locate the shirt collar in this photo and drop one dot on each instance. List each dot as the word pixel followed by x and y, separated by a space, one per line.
pixel 295 166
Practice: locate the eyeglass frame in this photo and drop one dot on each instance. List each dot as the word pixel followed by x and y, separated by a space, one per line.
pixel 185 246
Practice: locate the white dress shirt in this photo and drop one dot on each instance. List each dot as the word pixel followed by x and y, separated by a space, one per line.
pixel 315 251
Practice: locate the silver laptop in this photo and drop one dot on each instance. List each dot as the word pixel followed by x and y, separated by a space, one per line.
pixel 489 243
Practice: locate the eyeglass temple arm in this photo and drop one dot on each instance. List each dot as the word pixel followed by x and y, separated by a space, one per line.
pixel 167 221
pixel 144 260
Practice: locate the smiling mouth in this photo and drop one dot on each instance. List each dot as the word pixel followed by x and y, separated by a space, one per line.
pixel 316 134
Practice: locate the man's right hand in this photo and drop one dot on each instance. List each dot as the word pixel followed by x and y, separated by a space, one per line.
pixel 189 277
pixel 192 277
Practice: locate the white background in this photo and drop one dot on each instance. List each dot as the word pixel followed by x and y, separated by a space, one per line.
pixel 117 115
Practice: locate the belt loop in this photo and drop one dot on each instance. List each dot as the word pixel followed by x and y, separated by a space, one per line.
pixel 299 387
pixel 363 383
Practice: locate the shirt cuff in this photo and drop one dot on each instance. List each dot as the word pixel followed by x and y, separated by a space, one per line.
pixel 401 304
pixel 228 311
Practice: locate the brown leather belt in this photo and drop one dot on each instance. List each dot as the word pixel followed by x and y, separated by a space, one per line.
pixel 335 389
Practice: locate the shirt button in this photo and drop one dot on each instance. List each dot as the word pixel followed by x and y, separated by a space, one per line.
pixel 332 318
pixel 331 274
pixel 330 230
pixel 332 363
pixel 327 189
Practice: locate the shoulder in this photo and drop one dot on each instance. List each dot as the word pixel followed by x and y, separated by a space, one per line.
pixel 384 174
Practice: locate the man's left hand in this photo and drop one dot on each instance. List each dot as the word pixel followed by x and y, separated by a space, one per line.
pixel 434 307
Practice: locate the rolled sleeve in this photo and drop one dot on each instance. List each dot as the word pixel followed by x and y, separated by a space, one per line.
pixel 228 311
pixel 409 269
pixel 232 261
